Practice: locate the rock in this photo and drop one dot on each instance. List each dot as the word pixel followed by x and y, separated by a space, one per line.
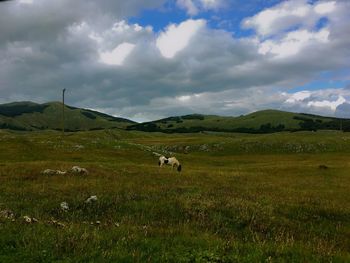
pixel 73 170
pixel 64 206
pixel 53 172
pixel 56 223
pixel 7 214
pixel 204 148
pixel 92 198
pixel 79 170
pixel 27 219
pixel 79 147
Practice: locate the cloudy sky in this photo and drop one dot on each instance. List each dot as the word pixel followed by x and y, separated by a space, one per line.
pixel 149 59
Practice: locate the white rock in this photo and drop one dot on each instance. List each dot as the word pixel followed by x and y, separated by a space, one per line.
pixel 92 198
pixel 64 206
pixel 27 219
pixel 49 172
pixel 53 172
pixel 79 170
pixel 78 147
pixel 8 214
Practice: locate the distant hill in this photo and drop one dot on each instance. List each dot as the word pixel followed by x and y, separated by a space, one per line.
pixel 29 116
pixel 266 121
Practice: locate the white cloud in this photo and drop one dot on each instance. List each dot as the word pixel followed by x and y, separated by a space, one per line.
pixel 25 1
pixel 327 103
pixel 189 6
pixel 325 8
pixel 177 37
pixel 96 37
pixel 293 42
pixel 184 98
pixel 271 21
pixel 120 26
pixel 287 15
pixel 298 96
pixel 323 101
pixel 117 55
pixel 211 4
pixel 193 7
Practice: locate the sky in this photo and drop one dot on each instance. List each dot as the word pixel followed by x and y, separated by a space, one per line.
pixel 150 59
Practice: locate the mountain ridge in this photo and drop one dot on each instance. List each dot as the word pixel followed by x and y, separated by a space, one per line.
pixel 265 121
pixel 31 116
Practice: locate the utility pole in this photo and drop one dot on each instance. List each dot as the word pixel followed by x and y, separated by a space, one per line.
pixel 63 91
pixel 341 125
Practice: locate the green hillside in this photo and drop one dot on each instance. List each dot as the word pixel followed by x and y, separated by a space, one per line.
pixel 28 116
pixel 266 121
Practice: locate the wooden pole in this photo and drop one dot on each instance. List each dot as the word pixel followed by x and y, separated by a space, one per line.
pixel 341 125
pixel 63 91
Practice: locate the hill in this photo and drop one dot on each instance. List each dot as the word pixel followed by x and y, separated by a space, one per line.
pixel 266 121
pixel 29 116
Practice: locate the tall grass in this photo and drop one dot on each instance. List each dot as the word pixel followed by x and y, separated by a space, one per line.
pixel 233 202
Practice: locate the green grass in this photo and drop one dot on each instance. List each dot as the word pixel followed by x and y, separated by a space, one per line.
pixel 29 116
pixel 240 198
pixel 265 121
pixel 48 116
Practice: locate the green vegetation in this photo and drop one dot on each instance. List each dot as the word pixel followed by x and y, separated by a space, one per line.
pixel 279 197
pixel 267 121
pixel 29 116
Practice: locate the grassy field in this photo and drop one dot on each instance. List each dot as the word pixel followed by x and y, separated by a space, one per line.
pixel 239 198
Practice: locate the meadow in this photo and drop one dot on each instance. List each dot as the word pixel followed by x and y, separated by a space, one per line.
pixel 281 197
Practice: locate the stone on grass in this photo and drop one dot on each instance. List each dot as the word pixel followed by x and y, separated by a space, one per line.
pixel 91 199
pixel 79 170
pixel 7 214
pixel 56 223
pixel 27 219
pixel 53 172
pixel 64 206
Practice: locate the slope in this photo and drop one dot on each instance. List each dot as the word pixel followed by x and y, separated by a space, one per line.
pixel 28 116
